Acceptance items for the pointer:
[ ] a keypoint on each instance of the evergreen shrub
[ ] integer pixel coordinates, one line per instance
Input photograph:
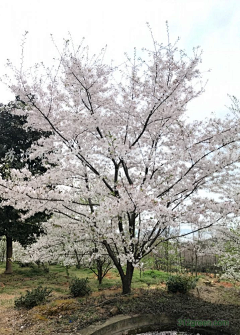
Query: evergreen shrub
(79, 287)
(33, 298)
(181, 284)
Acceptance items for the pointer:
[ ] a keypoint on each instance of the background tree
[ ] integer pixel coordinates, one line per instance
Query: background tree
(67, 246)
(126, 149)
(2, 249)
(167, 257)
(230, 255)
(227, 249)
(15, 141)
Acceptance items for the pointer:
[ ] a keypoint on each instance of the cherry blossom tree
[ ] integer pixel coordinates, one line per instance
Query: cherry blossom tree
(230, 255)
(65, 243)
(227, 248)
(58, 245)
(128, 162)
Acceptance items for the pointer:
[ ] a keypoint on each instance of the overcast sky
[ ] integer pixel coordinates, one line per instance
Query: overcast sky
(214, 25)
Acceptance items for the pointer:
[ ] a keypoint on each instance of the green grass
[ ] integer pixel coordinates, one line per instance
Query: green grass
(25, 278)
(148, 277)
(28, 278)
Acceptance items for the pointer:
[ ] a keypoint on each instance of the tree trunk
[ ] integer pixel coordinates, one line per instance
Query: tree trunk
(127, 279)
(99, 271)
(192, 264)
(9, 252)
(196, 264)
(78, 266)
(180, 261)
(215, 270)
(167, 259)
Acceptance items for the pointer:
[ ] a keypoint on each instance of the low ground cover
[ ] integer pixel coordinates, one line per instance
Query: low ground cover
(211, 299)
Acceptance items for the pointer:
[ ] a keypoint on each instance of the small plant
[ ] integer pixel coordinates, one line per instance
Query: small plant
(181, 284)
(79, 287)
(33, 298)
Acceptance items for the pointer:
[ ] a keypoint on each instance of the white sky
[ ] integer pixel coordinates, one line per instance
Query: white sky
(214, 25)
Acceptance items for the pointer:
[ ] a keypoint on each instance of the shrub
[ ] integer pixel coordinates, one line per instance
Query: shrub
(25, 265)
(181, 284)
(79, 287)
(33, 298)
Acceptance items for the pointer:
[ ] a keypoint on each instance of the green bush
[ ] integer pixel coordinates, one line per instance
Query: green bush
(25, 265)
(79, 287)
(181, 284)
(33, 298)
